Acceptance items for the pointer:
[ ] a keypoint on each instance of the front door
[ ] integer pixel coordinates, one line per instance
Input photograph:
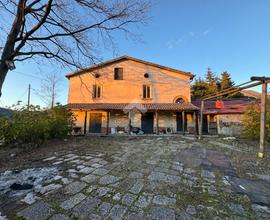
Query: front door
(148, 122)
(205, 125)
(179, 122)
(95, 123)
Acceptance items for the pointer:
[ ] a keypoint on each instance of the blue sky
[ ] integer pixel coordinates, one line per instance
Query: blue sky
(190, 35)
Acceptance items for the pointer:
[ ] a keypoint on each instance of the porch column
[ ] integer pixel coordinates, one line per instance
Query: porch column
(108, 122)
(195, 122)
(201, 120)
(157, 122)
(129, 122)
(183, 122)
(85, 122)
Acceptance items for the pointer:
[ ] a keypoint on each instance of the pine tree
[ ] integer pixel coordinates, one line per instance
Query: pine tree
(199, 88)
(211, 81)
(226, 81)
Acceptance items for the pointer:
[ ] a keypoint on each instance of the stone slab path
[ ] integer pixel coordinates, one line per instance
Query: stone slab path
(141, 178)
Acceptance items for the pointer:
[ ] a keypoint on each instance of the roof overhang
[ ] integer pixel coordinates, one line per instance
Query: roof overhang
(131, 106)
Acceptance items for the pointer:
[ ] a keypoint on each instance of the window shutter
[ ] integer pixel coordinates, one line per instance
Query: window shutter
(120, 73)
(98, 91)
(116, 74)
(144, 91)
(94, 92)
(148, 92)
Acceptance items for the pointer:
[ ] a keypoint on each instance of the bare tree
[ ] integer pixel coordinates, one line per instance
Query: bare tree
(70, 32)
(50, 89)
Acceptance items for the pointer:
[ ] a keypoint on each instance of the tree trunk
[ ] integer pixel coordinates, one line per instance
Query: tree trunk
(8, 49)
(3, 74)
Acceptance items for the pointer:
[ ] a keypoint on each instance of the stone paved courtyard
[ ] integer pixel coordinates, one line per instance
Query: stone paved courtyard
(141, 178)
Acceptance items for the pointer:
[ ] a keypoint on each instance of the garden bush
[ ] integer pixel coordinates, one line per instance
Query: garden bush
(251, 122)
(35, 125)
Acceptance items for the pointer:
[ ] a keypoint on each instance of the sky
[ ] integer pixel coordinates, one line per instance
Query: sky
(190, 35)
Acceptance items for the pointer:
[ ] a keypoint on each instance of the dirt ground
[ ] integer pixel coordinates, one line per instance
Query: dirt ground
(140, 177)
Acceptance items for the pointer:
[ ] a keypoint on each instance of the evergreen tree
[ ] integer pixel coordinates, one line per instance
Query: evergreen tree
(211, 81)
(226, 81)
(199, 89)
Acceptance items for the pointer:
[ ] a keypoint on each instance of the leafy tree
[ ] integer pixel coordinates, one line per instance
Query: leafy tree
(35, 126)
(70, 32)
(251, 123)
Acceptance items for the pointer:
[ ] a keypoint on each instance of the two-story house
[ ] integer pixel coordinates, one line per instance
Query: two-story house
(123, 93)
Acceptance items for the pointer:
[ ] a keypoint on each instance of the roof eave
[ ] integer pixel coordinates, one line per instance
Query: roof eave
(81, 71)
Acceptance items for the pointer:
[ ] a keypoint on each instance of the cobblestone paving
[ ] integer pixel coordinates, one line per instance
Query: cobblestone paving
(139, 179)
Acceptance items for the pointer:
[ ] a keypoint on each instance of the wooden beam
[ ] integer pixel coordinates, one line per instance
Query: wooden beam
(201, 119)
(263, 120)
(108, 122)
(85, 122)
(232, 91)
(183, 122)
(157, 122)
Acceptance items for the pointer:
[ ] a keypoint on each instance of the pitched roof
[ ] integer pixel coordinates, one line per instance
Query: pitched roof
(130, 106)
(233, 106)
(109, 62)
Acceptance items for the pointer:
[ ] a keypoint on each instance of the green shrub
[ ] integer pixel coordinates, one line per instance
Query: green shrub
(251, 123)
(35, 126)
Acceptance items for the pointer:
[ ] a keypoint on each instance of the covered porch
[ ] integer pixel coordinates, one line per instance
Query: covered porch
(154, 118)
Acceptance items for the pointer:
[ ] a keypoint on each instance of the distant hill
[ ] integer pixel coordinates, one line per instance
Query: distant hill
(252, 94)
(5, 112)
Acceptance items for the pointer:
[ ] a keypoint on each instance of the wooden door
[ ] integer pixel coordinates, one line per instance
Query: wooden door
(95, 122)
(179, 122)
(148, 122)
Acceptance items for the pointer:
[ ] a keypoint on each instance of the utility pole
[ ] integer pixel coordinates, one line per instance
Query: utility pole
(263, 120)
(28, 100)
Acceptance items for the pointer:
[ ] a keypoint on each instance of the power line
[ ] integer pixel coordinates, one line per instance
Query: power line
(27, 74)
(23, 94)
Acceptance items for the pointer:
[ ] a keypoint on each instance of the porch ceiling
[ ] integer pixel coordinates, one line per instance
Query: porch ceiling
(131, 106)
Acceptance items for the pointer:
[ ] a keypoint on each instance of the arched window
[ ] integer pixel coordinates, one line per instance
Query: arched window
(180, 100)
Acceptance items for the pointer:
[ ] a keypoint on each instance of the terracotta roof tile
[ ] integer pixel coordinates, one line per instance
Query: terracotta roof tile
(129, 106)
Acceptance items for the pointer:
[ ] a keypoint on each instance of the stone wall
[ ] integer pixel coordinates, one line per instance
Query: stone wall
(119, 119)
(166, 120)
(229, 124)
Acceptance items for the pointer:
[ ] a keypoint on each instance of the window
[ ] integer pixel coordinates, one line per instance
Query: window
(146, 75)
(146, 91)
(180, 101)
(118, 73)
(96, 91)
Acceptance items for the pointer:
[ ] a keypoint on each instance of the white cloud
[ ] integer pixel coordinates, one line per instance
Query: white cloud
(206, 32)
(191, 33)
